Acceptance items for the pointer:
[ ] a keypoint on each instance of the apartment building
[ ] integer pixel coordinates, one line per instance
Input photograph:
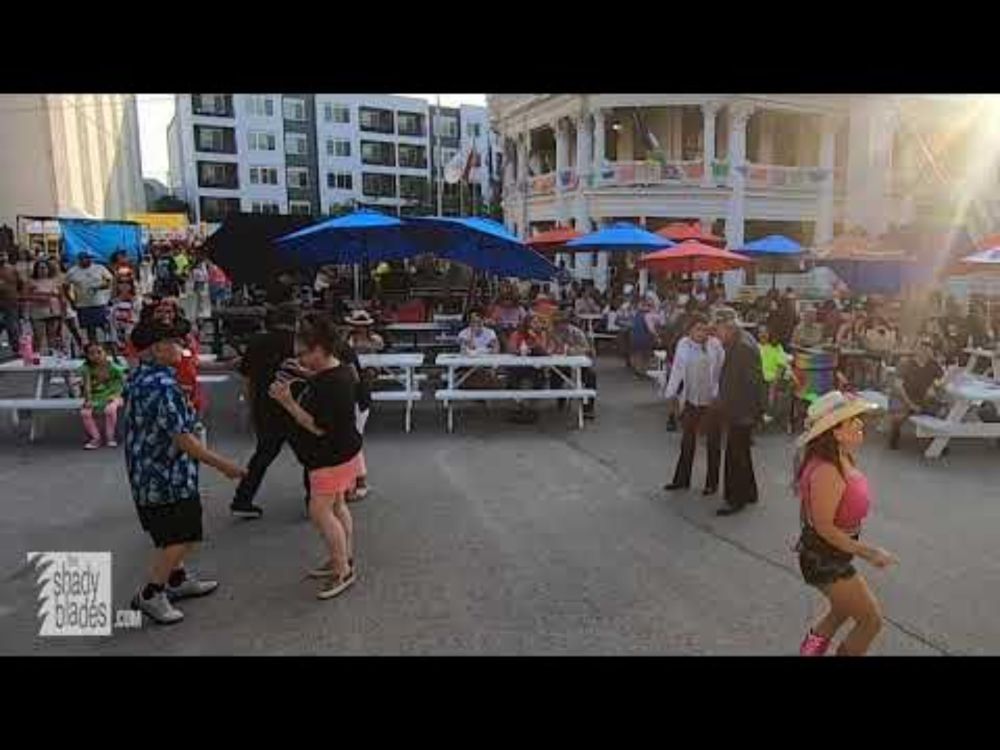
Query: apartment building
(69, 155)
(318, 153)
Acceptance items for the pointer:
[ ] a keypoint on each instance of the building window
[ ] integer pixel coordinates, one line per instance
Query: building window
(300, 207)
(263, 175)
(411, 123)
(339, 147)
(380, 153)
(297, 177)
(413, 157)
(214, 174)
(260, 106)
(445, 155)
(339, 113)
(215, 140)
(212, 105)
(294, 108)
(296, 144)
(340, 180)
(265, 207)
(413, 188)
(216, 209)
(446, 126)
(258, 140)
(472, 130)
(378, 185)
(376, 120)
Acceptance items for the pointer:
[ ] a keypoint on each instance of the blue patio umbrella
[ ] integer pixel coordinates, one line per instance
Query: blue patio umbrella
(353, 238)
(621, 237)
(776, 251)
(482, 244)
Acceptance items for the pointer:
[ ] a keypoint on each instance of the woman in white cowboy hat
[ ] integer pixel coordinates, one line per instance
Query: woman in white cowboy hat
(835, 501)
(361, 338)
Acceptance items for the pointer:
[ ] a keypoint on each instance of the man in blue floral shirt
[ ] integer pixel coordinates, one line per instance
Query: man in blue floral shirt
(162, 456)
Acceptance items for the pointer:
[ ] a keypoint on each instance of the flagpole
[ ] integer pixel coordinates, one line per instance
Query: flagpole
(440, 166)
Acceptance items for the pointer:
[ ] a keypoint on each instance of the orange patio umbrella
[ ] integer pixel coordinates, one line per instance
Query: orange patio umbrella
(552, 238)
(693, 257)
(681, 231)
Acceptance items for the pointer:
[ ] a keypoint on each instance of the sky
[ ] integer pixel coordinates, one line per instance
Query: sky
(156, 110)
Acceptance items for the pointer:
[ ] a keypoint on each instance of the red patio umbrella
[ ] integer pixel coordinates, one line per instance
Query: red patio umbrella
(553, 238)
(681, 231)
(693, 257)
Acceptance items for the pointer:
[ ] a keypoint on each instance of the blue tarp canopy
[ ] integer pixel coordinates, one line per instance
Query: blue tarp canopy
(102, 239)
(773, 244)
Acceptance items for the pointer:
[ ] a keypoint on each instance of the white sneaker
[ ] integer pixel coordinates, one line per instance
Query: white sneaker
(190, 587)
(334, 586)
(112, 443)
(158, 608)
(92, 445)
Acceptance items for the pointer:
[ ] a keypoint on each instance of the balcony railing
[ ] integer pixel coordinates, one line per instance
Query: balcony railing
(770, 176)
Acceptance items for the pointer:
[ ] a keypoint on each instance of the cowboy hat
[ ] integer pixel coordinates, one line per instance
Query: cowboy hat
(359, 318)
(829, 410)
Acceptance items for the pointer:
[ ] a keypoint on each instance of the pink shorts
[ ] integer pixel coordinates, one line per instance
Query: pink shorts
(333, 480)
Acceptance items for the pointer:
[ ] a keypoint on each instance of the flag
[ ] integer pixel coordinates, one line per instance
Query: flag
(470, 161)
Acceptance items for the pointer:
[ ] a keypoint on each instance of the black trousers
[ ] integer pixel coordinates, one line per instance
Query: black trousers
(740, 482)
(269, 444)
(693, 418)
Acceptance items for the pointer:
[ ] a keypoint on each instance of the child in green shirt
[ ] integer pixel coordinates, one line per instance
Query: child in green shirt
(103, 385)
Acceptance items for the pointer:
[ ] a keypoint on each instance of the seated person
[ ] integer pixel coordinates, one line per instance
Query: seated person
(569, 340)
(477, 338)
(809, 332)
(585, 304)
(507, 313)
(361, 338)
(914, 391)
(530, 340)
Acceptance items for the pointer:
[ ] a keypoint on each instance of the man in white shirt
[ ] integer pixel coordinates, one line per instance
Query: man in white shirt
(477, 338)
(91, 290)
(694, 386)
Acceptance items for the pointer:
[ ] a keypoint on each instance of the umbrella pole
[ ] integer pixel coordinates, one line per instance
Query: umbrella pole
(357, 283)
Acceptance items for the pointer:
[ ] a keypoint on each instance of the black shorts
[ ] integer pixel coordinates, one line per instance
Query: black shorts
(820, 562)
(92, 317)
(176, 523)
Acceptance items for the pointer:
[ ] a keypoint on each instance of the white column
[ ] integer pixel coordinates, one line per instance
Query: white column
(562, 164)
(599, 139)
(827, 159)
(766, 154)
(522, 182)
(708, 112)
(738, 117)
(583, 261)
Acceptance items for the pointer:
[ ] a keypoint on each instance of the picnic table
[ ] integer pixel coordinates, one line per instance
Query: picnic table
(966, 391)
(49, 371)
(976, 354)
(400, 368)
(472, 363)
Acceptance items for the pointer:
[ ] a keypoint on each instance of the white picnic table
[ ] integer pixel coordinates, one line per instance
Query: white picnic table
(400, 367)
(48, 370)
(475, 362)
(978, 353)
(416, 329)
(966, 391)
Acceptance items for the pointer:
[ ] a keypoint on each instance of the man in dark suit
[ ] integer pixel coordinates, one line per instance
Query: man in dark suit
(741, 403)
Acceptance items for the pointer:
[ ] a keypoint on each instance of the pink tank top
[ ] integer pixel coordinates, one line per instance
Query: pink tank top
(854, 502)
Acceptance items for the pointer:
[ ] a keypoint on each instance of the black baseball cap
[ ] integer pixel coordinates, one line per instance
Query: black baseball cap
(144, 336)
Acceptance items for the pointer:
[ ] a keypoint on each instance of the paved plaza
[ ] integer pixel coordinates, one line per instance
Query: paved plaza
(513, 539)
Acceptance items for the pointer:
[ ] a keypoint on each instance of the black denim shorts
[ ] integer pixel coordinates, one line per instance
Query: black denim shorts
(820, 562)
(175, 523)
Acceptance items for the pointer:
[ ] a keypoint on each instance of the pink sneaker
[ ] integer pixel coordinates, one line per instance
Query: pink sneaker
(814, 645)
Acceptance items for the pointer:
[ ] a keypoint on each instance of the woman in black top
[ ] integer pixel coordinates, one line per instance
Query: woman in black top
(326, 441)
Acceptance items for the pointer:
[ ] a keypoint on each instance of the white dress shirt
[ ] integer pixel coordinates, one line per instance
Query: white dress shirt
(697, 367)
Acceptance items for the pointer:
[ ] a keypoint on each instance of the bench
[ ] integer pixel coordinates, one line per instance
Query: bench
(932, 427)
(17, 405)
(511, 394)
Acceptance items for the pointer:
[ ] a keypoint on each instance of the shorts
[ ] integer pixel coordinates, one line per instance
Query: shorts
(333, 480)
(92, 317)
(176, 523)
(820, 562)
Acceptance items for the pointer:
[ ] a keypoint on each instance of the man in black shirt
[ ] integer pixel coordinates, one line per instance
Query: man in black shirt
(264, 355)
(914, 391)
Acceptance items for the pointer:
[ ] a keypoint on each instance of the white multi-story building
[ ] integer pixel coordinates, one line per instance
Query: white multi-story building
(69, 155)
(808, 166)
(305, 153)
